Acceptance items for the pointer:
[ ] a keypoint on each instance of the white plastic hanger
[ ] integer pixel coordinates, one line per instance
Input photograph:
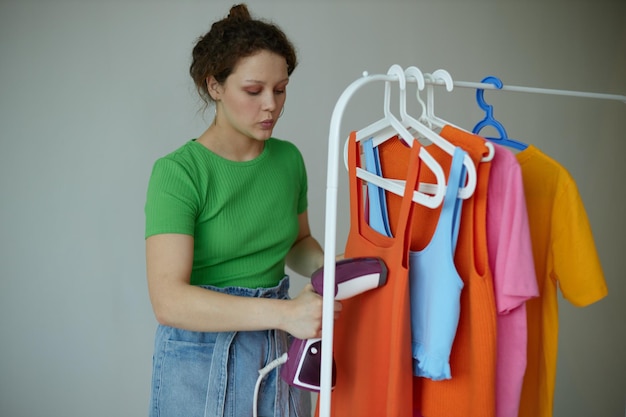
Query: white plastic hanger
(387, 128)
(428, 113)
(427, 133)
(428, 110)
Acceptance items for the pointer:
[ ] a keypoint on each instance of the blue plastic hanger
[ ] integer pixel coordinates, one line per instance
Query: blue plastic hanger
(490, 121)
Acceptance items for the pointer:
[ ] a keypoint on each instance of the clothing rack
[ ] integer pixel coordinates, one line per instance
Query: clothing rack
(331, 200)
(486, 86)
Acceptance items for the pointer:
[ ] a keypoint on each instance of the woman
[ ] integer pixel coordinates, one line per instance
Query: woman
(224, 214)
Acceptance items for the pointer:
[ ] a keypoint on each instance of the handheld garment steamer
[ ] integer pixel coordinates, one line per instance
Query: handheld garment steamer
(352, 277)
(302, 362)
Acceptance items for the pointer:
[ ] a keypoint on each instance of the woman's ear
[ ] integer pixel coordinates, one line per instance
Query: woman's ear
(213, 87)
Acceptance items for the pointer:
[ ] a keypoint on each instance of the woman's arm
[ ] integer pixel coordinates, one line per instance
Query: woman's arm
(306, 254)
(176, 303)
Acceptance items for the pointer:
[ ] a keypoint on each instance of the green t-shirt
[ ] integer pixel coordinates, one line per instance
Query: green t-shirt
(243, 215)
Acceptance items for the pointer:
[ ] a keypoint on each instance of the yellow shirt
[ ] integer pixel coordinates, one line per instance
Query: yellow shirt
(565, 257)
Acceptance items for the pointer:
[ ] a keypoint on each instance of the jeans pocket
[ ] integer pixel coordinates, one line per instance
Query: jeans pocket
(180, 380)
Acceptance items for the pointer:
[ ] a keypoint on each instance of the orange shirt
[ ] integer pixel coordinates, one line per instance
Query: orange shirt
(372, 339)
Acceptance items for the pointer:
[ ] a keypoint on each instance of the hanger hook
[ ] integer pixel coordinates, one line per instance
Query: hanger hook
(489, 120)
(395, 69)
(435, 77)
(443, 75)
(404, 135)
(480, 93)
(415, 72)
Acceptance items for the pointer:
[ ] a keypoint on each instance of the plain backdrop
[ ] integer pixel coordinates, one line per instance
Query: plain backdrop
(92, 92)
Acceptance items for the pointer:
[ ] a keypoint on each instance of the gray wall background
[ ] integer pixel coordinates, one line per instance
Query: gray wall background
(92, 92)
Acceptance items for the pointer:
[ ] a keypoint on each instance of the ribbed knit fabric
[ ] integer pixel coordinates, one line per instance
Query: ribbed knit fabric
(471, 391)
(372, 340)
(434, 284)
(243, 215)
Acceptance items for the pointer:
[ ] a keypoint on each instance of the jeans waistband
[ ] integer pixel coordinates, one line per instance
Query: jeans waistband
(280, 291)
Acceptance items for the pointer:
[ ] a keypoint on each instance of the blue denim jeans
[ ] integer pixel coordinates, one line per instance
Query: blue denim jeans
(206, 374)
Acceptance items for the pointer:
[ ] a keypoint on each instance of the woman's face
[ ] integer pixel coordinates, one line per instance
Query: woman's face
(253, 95)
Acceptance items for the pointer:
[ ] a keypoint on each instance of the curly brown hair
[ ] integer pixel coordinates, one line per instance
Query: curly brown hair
(235, 37)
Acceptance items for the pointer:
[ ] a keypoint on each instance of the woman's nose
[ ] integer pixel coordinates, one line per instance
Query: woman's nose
(269, 103)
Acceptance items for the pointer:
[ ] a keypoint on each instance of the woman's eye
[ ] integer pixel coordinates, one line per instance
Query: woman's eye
(257, 92)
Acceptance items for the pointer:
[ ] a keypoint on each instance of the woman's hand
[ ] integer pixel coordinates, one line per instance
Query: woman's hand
(304, 319)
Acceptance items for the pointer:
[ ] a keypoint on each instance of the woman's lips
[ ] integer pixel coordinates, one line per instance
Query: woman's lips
(266, 124)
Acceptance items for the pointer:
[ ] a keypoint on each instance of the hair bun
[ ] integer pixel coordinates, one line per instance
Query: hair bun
(239, 12)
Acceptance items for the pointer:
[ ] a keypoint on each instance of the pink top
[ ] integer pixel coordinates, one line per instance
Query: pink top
(513, 269)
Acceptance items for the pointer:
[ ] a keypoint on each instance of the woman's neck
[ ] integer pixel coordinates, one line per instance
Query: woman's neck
(233, 146)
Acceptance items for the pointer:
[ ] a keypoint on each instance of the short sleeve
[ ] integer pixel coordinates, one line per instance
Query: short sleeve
(576, 266)
(509, 240)
(302, 198)
(171, 200)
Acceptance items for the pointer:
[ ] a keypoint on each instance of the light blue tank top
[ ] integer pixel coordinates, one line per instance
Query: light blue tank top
(435, 285)
(376, 203)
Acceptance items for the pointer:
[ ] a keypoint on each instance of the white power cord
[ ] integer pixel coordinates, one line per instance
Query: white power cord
(262, 372)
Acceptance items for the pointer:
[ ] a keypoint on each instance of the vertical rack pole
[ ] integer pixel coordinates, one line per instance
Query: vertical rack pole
(330, 236)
